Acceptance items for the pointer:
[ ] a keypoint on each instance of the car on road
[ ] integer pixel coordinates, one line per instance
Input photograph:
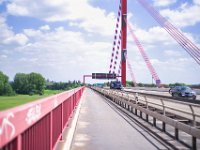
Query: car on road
(116, 85)
(183, 91)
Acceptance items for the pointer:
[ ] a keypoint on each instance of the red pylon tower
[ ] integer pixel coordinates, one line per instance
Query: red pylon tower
(123, 41)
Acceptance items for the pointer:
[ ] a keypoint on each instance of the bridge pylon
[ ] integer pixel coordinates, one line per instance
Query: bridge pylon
(123, 41)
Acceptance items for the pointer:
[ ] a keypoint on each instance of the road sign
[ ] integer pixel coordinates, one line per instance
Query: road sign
(103, 76)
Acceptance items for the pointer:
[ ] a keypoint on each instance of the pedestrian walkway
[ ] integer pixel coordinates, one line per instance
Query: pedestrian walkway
(99, 127)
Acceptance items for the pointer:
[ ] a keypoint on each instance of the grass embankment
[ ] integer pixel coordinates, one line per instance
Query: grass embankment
(12, 101)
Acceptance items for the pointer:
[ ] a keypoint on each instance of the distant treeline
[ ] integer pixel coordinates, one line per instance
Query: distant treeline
(51, 85)
(130, 83)
(33, 83)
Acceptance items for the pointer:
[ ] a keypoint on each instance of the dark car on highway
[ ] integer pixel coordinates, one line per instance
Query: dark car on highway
(183, 91)
(116, 85)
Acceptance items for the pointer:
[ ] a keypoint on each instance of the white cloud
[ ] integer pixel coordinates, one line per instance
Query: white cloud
(7, 36)
(163, 3)
(45, 27)
(5, 30)
(3, 56)
(66, 53)
(154, 35)
(33, 33)
(185, 15)
(172, 53)
(197, 2)
(17, 10)
(79, 13)
(175, 70)
(1, 1)
(169, 71)
(20, 39)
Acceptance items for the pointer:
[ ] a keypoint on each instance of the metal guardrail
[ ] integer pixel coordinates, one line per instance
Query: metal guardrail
(38, 125)
(180, 108)
(160, 109)
(180, 99)
(158, 89)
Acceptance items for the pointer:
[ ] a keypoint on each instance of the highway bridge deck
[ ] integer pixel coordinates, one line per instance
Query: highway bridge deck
(100, 126)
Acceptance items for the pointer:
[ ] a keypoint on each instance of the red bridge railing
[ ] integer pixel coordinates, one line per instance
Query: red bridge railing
(38, 125)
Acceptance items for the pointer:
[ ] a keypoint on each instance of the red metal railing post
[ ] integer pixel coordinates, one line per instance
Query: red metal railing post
(19, 142)
(62, 122)
(74, 100)
(51, 130)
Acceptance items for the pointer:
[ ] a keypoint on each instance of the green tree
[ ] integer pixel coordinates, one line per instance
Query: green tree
(33, 83)
(3, 81)
(36, 83)
(5, 87)
(176, 84)
(21, 84)
(8, 90)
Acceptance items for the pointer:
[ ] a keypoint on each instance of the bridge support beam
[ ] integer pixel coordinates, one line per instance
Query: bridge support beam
(123, 41)
(86, 76)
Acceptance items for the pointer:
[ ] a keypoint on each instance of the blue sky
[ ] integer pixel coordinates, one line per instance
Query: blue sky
(66, 39)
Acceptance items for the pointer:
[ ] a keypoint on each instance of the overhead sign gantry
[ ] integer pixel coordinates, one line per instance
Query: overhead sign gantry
(103, 76)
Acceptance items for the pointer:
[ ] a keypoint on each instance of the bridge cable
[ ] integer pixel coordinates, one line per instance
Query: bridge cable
(115, 38)
(144, 55)
(176, 34)
(131, 72)
(117, 52)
